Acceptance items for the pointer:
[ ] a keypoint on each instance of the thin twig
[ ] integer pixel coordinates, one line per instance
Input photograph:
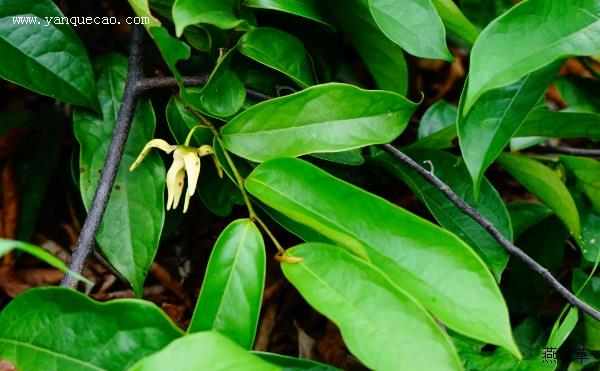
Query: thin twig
(153, 83)
(566, 151)
(87, 237)
(488, 226)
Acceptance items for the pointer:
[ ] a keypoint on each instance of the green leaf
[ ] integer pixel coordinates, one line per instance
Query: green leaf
(579, 93)
(525, 214)
(324, 118)
(181, 120)
(402, 335)
(218, 13)
(384, 59)
(309, 9)
(280, 51)
(519, 42)
(231, 294)
(439, 140)
(545, 184)
(486, 129)
(223, 95)
(452, 171)
(433, 265)
(130, 231)
(203, 351)
(62, 329)
(455, 20)
(587, 175)
(38, 252)
(350, 157)
(562, 329)
(546, 123)
(590, 231)
(294, 364)
(46, 57)
(438, 116)
(414, 25)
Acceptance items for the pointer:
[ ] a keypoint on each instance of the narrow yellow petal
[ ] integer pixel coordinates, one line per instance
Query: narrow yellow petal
(179, 187)
(192, 167)
(172, 180)
(154, 143)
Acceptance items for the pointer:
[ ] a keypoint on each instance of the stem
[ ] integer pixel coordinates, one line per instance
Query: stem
(271, 235)
(493, 231)
(188, 139)
(87, 237)
(566, 151)
(236, 174)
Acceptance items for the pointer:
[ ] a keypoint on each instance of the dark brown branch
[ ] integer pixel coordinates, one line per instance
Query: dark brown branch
(566, 151)
(153, 83)
(87, 237)
(491, 229)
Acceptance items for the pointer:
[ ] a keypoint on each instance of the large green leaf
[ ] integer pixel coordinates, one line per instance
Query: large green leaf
(433, 265)
(309, 9)
(231, 294)
(59, 329)
(546, 123)
(455, 20)
(130, 231)
(207, 350)
(482, 12)
(438, 116)
(486, 129)
(590, 229)
(531, 35)
(384, 59)
(280, 51)
(382, 325)
(223, 95)
(46, 57)
(324, 118)
(218, 13)
(547, 185)
(38, 252)
(414, 25)
(452, 171)
(587, 175)
(525, 214)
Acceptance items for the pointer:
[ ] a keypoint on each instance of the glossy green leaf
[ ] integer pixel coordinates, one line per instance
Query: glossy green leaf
(294, 364)
(590, 294)
(433, 265)
(231, 294)
(324, 118)
(347, 290)
(130, 231)
(219, 13)
(455, 20)
(438, 116)
(587, 175)
(545, 184)
(59, 329)
(46, 57)
(350, 157)
(223, 95)
(280, 51)
(525, 214)
(452, 171)
(590, 230)
(38, 252)
(309, 9)
(207, 350)
(438, 140)
(486, 129)
(414, 25)
(384, 59)
(546, 123)
(562, 329)
(519, 42)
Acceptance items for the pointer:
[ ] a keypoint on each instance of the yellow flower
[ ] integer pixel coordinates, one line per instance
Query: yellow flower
(185, 160)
